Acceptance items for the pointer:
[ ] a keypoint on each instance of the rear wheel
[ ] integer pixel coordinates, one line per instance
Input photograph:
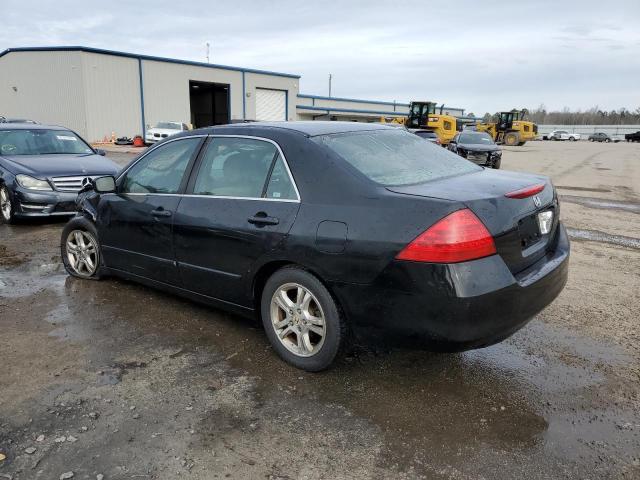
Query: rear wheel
(572, 139)
(607, 140)
(511, 138)
(6, 205)
(80, 249)
(302, 320)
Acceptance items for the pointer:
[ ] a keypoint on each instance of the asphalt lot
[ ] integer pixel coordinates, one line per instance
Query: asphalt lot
(117, 379)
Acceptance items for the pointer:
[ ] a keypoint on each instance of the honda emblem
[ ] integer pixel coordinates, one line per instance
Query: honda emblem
(536, 201)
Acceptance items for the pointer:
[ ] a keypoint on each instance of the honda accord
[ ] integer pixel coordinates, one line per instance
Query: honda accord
(328, 229)
(42, 168)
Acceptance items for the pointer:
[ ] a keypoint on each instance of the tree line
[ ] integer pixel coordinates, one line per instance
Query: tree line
(592, 116)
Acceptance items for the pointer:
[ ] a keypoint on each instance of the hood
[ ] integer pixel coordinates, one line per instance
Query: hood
(42, 166)
(165, 131)
(476, 147)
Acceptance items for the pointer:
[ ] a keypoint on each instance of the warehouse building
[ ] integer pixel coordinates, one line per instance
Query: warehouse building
(99, 93)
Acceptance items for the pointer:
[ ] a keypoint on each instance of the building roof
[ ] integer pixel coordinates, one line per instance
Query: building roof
(143, 57)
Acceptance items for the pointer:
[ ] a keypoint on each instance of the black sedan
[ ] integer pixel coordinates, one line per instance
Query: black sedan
(324, 229)
(42, 168)
(602, 137)
(477, 147)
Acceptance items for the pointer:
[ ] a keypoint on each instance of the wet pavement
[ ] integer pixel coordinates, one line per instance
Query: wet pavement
(128, 382)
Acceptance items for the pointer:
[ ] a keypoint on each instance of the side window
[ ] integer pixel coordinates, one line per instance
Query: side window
(235, 167)
(280, 185)
(161, 170)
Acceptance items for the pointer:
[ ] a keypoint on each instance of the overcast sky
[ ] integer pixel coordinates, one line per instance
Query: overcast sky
(480, 55)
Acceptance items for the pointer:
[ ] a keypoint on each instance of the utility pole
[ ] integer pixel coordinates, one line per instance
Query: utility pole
(329, 84)
(207, 52)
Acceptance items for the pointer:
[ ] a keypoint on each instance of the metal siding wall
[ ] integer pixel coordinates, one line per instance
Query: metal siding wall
(166, 90)
(359, 106)
(49, 86)
(112, 96)
(254, 80)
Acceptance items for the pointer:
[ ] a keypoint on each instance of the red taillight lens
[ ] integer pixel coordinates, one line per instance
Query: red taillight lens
(458, 237)
(526, 191)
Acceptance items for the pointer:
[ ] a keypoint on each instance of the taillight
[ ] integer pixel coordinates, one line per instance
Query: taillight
(458, 237)
(526, 191)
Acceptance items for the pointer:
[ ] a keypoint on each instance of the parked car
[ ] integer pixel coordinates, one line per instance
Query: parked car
(602, 137)
(16, 120)
(324, 229)
(428, 135)
(163, 130)
(563, 135)
(477, 147)
(632, 137)
(42, 168)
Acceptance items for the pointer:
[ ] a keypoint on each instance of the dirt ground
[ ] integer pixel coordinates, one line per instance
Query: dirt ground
(111, 378)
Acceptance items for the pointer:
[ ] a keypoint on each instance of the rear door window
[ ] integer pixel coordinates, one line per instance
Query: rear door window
(396, 157)
(240, 167)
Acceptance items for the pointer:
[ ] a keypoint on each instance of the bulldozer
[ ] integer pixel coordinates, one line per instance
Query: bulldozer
(510, 129)
(425, 116)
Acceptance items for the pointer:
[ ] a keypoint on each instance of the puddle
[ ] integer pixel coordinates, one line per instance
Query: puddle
(602, 203)
(597, 236)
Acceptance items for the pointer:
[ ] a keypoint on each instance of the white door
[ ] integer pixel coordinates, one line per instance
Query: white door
(271, 104)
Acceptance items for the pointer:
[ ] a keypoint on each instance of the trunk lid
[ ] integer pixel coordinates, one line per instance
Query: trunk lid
(513, 222)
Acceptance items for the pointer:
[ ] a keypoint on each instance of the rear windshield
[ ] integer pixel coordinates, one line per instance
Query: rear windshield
(41, 142)
(396, 157)
(426, 134)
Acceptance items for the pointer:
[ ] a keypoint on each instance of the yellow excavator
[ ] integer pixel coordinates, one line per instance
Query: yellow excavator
(425, 116)
(510, 129)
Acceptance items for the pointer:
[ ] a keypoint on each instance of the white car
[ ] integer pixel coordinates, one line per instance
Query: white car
(563, 135)
(163, 130)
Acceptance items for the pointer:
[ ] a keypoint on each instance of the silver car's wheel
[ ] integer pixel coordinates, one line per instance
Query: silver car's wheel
(5, 204)
(82, 253)
(298, 320)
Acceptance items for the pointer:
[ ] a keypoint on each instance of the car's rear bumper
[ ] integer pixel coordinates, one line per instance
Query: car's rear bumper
(43, 204)
(455, 306)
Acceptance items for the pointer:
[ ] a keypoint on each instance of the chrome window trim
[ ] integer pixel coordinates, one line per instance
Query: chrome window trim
(250, 137)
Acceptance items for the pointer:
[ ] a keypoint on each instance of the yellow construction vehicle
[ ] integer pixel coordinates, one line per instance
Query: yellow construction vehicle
(423, 115)
(511, 128)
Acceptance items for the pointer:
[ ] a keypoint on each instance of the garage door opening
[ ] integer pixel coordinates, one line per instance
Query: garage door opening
(209, 103)
(271, 105)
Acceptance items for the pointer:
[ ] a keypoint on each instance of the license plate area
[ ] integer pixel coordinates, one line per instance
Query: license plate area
(529, 231)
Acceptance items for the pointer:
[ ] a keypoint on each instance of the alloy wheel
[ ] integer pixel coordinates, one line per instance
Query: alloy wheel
(298, 319)
(5, 204)
(82, 252)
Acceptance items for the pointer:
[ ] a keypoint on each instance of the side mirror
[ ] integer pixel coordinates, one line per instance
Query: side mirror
(105, 184)
(101, 152)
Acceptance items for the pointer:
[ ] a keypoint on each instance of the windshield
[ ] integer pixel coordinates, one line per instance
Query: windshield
(396, 157)
(476, 138)
(168, 125)
(41, 142)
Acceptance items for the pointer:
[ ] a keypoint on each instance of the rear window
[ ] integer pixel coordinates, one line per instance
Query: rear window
(396, 157)
(426, 134)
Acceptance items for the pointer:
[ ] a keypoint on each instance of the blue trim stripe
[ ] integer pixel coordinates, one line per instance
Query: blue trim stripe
(355, 100)
(143, 57)
(349, 110)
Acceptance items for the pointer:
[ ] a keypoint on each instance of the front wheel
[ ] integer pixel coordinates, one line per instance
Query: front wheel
(572, 139)
(6, 206)
(511, 139)
(80, 249)
(302, 320)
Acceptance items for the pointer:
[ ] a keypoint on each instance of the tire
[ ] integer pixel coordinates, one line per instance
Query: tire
(572, 139)
(607, 140)
(7, 208)
(496, 164)
(511, 139)
(82, 234)
(300, 288)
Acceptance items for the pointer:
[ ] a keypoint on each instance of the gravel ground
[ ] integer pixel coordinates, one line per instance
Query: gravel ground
(111, 378)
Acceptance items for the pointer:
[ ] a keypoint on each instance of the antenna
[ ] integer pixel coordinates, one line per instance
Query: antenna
(207, 52)
(329, 84)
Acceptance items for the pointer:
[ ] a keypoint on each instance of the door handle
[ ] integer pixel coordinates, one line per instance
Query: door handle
(261, 218)
(161, 212)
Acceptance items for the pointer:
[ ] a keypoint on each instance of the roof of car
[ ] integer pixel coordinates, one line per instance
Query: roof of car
(309, 128)
(30, 126)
